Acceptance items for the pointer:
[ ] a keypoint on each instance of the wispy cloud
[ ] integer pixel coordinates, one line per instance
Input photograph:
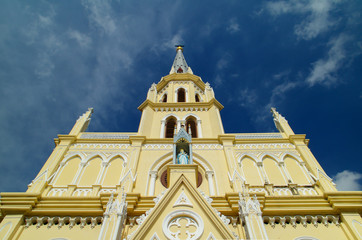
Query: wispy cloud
(318, 15)
(82, 39)
(348, 181)
(233, 26)
(324, 69)
(247, 97)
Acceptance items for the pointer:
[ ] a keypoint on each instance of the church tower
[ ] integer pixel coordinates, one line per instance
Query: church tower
(181, 177)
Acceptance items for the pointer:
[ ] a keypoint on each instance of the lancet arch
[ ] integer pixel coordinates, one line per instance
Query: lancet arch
(249, 155)
(164, 122)
(69, 156)
(197, 131)
(164, 97)
(90, 171)
(68, 170)
(269, 154)
(113, 170)
(292, 165)
(273, 171)
(250, 171)
(181, 94)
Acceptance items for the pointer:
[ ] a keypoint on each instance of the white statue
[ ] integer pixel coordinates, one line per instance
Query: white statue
(182, 157)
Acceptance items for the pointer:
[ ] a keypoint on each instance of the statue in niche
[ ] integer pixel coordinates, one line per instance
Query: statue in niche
(182, 157)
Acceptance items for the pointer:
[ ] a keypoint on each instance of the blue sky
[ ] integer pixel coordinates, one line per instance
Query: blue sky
(60, 57)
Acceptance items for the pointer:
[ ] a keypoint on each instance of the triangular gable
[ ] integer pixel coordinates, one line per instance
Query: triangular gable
(182, 134)
(167, 214)
(182, 200)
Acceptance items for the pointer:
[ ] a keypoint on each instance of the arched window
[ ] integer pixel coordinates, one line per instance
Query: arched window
(191, 124)
(197, 98)
(164, 99)
(181, 95)
(170, 127)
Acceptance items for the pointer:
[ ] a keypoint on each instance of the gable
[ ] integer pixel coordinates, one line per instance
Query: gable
(182, 212)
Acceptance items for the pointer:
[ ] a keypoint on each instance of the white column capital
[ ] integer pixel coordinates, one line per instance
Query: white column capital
(209, 173)
(153, 174)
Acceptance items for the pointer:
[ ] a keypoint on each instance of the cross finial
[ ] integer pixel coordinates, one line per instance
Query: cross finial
(179, 47)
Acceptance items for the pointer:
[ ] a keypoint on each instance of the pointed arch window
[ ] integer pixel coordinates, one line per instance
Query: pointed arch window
(197, 98)
(181, 95)
(179, 70)
(170, 127)
(191, 126)
(164, 98)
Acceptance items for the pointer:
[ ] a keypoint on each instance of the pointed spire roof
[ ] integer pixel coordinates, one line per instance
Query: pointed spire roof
(179, 64)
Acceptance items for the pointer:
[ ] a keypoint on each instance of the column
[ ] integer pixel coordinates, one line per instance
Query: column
(162, 132)
(281, 164)
(209, 175)
(153, 175)
(261, 169)
(199, 131)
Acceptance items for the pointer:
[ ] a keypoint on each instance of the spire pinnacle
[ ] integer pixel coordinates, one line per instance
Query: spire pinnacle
(179, 64)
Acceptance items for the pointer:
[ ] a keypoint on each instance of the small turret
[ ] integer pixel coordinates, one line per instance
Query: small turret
(281, 123)
(82, 123)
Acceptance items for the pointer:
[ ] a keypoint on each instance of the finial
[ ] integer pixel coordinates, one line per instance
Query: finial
(179, 47)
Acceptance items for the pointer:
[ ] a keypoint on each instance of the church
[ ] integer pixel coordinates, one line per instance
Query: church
(180, 176)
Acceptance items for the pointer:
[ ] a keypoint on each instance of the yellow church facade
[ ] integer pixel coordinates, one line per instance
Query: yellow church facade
(181, 177)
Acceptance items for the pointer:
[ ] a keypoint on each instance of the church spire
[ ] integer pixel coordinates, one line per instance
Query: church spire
(179, 64)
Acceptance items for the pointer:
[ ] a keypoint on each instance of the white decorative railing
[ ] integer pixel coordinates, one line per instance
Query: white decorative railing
(107, 135)
(82, 192)
(282, 192)
(307, 191)
(107, 190)
(56, 192)
(257, 190)
(258, 136)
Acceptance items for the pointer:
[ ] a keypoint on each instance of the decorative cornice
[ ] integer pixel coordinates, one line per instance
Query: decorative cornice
(261, 146)
(181, 106)
(61, 221)
(180, 77)
(303, 220)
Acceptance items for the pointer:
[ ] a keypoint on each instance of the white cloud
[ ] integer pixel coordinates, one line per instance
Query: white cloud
(317, 21)
(101, 15)
(233, 26)
(218, 80)
(247, 97)
(348, 181)
(324, 69)
(82, 39)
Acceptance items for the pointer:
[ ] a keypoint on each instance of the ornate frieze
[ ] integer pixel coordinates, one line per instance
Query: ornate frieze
(264, 146)
(207, 147)
(301, 220)
(70, 222)
(157, 147)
